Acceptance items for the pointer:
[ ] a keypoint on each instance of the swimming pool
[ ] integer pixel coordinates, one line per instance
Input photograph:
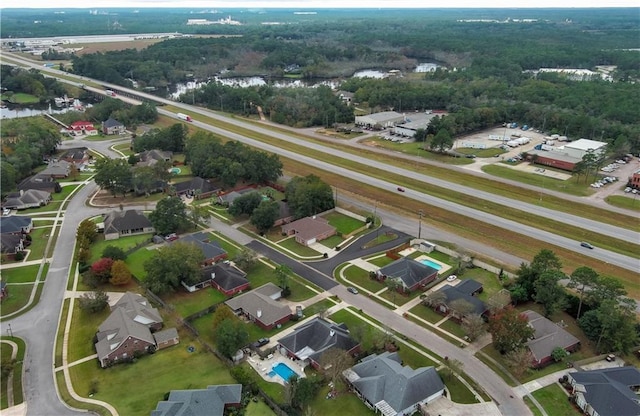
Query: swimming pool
(431, 264)
(175, 171)
(283, 371)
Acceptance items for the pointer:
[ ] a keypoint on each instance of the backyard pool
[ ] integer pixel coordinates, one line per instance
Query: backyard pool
(431, 264)
(175, 171)
(283, 371)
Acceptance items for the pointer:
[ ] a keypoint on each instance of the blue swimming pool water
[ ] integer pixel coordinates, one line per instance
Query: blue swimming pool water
(283, 371)
(431, 264)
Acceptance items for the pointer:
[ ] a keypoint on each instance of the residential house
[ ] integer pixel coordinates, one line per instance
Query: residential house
(31, 198)
(345, 96)
(40, 183)
(309, 230)
(412, 274)
(127, 331)
(16, 224)
(547, 337)
(212, 251)
(224, 276)
(261, 306)
(607, 392)
(197, 187)
(212, 401)
(77, 155)
(80, 128)
(465, 291)
(309, 341)
(227, 198)
(284, 214)
(125, 223)
(388, 387)
(153, 156)
(57, 169)
(11, 244)
(112, 126)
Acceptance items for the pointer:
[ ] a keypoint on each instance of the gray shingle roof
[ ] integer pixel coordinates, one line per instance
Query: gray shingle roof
(547, 336)
(9, 243)
(210, 249)
(382, 379)
(609, 392)
(468, 286)
(260, 302)
(203, 402)
(226, 276)
(314, 338)
(408, 270)
(27, 198)
(14, 224)
(130, 219)
(195, 184)
(165, 335)
(137, 307)
(309, 227)
(109, 123)
(116, 329)
(452, 293)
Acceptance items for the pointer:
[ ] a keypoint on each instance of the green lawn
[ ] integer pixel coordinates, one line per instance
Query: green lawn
(297, 248)
(84, 326)
(623, 202)
(417, 149)
(332, 242)
(20, 275)
(490, 152)
(258, 408)
(444, 258)
(459, 392)
(381, 261)
(173, 368)
(125, 243)
(318, 306)
(39, 238)
(299, 291)
(187, 303)
(452, 327)
(343, 223)
(490, 282)
(6, 352)
(231, 249)
(17, 298)
(555, 401)
(570, 186)
(360, 277)
(124, 148)
(534, 409)
(136, 261)
(20, 98)
(66, 191)
(5, 355)
(426, 313)
(344, 404)
(399, 299)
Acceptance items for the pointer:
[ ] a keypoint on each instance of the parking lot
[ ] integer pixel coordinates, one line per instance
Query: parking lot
(494, 138)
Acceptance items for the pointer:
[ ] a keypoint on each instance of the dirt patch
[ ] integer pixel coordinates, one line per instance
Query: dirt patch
(88, 48)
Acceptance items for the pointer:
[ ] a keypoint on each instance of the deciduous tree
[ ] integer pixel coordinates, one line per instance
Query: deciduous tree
(582, 278)
(120, 274)
(549, 293)
(171, 265)
(101, 269)
(93, 301)
(519, 361)
(510, 330)
(230, 336)
(169, 216)
(265, 215)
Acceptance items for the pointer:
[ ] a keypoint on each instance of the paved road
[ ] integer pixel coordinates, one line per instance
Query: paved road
(38, 327)
(552, 239)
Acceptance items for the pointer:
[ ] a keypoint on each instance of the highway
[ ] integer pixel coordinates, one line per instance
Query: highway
(552, 239)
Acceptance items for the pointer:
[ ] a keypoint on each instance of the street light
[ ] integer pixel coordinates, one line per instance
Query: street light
(420, 213)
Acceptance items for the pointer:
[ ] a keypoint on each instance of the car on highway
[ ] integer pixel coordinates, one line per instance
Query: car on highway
(586, 245)
(400, 189)
(352, 290)
(261, 342)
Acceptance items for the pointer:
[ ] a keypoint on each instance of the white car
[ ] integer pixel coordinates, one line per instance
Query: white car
(452, 278)
(6, 211)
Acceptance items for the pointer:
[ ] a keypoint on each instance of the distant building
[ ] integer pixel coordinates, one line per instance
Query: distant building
(382, 120)
(112, 126)
(634, 180)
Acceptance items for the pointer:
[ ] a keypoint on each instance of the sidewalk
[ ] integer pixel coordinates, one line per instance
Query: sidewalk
(544, 381)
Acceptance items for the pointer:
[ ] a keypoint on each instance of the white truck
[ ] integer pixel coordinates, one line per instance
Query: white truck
(184, 117)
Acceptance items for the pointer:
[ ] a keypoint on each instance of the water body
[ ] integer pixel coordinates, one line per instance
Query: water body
(19, 112)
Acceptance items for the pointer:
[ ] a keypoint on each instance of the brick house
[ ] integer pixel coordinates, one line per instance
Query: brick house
(309, 230)
(261, 306)
(412, 274)
(225, 277)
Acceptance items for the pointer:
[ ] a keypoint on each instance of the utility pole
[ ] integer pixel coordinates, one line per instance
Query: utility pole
(420, 213)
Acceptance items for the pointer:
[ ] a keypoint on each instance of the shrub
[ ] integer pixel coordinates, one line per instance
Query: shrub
(19, 256)
(114, 253)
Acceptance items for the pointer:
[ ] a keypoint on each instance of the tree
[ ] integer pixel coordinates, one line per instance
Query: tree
(519, 361)
(245, 204)
(245, 259)
(433, 299)
(265, 215)
(113, 175)
(549, 293)
(101, 269)
(333, 362)
(582, 278)
(93, 301)
(114, 253)
(120, 274)
(172, 264)
(393, 285)
(283, 273)
(304, 390)
(230, 336)
(559, 354)
(442, 141)
(86, 234)
(308, 196)
(606, 288)
(198, 213)
(222, 313)
(510, 330)
(460, 308)
(473, 326)
(612, 326)
(528, 274)
(169, 216)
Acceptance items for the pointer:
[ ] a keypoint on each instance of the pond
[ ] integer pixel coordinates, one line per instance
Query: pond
(19, 112)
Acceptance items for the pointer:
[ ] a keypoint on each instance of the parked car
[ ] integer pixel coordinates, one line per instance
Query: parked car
(6, 211)
(262, 341)
(400, 189)
(610, 357)
(171, 237)
(352, 290)
(586, 245)
(452, 278)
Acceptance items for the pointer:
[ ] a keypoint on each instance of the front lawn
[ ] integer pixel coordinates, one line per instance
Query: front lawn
(381, 261)
(124, 243)
(360, 277)
(452, 327)
(332, 242)
(20, 275)
(343, 223)
(554, 400)
(303, 251)
(426, 313)
(39, 238)
(84, 326)
(17, 298)
(135, 389)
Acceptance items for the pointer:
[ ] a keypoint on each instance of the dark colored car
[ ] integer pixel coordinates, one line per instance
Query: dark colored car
(586, 245)
(400, 189)
(262, 341)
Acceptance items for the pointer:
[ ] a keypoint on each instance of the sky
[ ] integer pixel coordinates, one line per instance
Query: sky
(315, 4)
